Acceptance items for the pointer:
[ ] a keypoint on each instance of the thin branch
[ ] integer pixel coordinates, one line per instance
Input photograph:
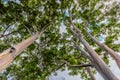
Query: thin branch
(5, 30)
(93, 38)
(31, 35)
(28, 30)
(7, 34)
(60, 66)
(74, 66)
(84, 53)
(81, 65)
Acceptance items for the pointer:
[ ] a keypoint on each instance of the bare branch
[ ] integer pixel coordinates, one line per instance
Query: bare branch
(81, 50)
(31, 34)
(74, 66)
(81, 65)
(60, 66)
(7, 34)
(5, 30)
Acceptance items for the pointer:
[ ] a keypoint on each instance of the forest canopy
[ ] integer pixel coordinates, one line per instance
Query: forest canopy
(78, 34)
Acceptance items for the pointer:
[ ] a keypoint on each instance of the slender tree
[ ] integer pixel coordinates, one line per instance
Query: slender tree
(115, 55)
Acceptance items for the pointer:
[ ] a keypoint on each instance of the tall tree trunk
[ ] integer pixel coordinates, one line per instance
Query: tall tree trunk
(90, 73)
(98, 62)
(105, 48)
(7, 56)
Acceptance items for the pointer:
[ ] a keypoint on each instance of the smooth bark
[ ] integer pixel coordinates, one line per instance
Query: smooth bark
(85, 54)
(100, 66)
(7, 56)
(90, 73)
(106, 48)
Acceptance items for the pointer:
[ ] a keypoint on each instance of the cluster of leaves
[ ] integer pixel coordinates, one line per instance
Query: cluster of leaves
(23, 18)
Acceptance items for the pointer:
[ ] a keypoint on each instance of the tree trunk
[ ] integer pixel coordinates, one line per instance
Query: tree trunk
(98, 62)
(7, 56)
(90, 73)
(106, 48)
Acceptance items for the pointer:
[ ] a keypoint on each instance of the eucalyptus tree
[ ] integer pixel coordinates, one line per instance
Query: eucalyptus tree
(61, 45)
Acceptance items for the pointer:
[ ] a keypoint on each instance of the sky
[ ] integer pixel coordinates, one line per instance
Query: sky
(65, 76)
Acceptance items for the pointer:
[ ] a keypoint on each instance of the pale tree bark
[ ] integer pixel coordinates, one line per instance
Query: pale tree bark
(99, 64)
(90, 73)
(7, 56)
(84, 53)
(113, 54)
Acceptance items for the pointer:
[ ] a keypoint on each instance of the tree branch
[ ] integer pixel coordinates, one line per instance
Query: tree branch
(5, 30)
(74, 66)
(7, 34)
(31, 34)
(60, 66)
(81, 65)
(84, 53)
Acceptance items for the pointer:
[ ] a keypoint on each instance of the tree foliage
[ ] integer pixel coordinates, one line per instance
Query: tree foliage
(20, 19)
